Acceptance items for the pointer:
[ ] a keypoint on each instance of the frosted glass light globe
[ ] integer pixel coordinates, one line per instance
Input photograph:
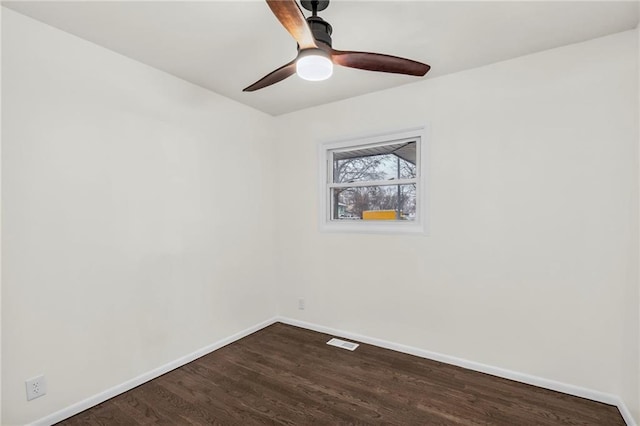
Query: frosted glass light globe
(314, 67)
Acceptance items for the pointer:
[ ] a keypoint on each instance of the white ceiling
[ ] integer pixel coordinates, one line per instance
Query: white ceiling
(226, 45)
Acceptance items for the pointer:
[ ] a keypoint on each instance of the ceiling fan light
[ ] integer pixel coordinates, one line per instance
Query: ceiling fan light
(314, 67)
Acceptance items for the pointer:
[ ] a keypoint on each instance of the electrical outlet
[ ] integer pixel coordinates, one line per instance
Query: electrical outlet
(301, 304)
(36, 387)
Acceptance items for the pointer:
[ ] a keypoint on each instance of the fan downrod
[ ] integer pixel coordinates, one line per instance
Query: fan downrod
(320, 28)
(319, 5)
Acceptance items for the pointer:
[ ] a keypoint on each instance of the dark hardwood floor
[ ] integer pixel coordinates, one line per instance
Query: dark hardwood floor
(288, 375)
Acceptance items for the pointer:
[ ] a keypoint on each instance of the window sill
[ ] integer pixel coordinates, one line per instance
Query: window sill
(359, 227)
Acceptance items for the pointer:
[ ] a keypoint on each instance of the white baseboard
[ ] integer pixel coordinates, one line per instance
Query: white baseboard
(476, 366)
(137, 381)
(626, 414)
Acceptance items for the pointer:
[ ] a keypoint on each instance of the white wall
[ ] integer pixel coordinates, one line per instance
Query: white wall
(0, 234)
(138, 217)
(531, 262)
(637, 299)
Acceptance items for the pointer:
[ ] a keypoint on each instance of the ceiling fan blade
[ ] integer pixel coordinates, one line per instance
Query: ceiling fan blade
(273, 77)
(292, 19)
(378, 62)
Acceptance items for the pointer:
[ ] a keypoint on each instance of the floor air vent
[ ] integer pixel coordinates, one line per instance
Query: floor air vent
(350, 346)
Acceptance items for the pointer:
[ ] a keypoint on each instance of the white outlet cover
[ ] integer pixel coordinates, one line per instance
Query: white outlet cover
(36, 387)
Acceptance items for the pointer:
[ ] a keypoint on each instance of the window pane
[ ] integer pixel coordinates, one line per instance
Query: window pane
(392, 202)
(387, 162)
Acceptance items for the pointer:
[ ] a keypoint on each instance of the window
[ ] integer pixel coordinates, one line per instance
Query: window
(374, 184)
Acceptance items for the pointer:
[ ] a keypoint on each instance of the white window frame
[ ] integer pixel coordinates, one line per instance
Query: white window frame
(325, 151)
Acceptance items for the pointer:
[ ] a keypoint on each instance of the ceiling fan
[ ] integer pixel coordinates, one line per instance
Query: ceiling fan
(316, 57)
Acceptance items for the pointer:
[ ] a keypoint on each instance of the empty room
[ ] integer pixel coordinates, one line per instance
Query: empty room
(320, 212)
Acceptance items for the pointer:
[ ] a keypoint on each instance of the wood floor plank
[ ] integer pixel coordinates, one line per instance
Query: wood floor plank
(135, 407)
(285, 375)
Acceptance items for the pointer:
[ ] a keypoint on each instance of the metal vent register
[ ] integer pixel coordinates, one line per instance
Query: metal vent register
(350, 346)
